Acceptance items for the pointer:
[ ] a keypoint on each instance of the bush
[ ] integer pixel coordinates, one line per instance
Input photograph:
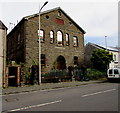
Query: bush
(55, 73)
(54, 76)
(94, 74)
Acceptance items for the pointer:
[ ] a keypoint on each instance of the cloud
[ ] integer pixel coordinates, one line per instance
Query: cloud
(96, 18)
(100, 40)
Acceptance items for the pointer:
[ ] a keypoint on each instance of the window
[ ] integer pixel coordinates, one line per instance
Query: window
(47, 17)
(59, 38)
(114, 57)
(110, 71)
(19, 38)
(41, 35)
(75, 41)
(75, 60)
(51, 37)
(67, 39)
(59, 13)
(42, 59)
(116, 71)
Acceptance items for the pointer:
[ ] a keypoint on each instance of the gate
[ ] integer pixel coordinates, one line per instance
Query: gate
(13, 76)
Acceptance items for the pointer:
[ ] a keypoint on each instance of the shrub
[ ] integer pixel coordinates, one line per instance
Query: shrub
(54, 75)
(94, 74)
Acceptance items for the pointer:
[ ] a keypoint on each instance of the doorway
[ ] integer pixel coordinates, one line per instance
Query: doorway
(61, 63)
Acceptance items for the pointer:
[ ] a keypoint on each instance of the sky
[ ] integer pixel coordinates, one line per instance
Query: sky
(99, 18)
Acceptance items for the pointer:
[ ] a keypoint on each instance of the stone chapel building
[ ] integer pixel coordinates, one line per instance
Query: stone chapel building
(62, 41)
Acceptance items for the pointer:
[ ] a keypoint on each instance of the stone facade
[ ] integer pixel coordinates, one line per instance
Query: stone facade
(53, 20)
(16, 44)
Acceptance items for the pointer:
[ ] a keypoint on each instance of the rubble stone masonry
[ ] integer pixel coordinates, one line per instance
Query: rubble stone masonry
(52, 51)
(55, 20)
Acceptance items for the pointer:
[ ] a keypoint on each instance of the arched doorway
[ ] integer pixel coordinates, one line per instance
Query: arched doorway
(61, 63)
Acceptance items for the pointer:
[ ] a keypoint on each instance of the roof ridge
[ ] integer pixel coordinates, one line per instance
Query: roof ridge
(103, 47)
(57, 8)
(47, 11)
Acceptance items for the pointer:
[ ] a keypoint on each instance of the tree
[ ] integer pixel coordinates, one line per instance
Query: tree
(101, 59)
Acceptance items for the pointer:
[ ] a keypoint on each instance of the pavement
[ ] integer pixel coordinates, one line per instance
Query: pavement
(45, 86)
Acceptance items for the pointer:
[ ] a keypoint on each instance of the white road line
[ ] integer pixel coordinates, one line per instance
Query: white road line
(98, 92)
(33, 106)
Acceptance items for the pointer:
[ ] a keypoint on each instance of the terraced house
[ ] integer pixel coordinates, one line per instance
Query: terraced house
(62, 41)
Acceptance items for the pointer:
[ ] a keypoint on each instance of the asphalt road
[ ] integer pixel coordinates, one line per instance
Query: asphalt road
(91, 97)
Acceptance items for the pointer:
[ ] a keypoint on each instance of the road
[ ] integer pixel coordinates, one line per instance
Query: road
(91, 97)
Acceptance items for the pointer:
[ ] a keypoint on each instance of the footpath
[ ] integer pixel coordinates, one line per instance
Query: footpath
(45, 86)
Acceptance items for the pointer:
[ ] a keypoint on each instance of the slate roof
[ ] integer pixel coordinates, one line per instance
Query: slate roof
(45, 12)
(58, 8)
(103, 47)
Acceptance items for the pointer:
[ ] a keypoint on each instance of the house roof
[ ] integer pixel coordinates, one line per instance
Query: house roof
(2, 26)
(58, 8)
(103, 47)
(45, 12)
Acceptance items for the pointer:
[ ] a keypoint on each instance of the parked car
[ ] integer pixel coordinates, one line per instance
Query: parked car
(113, 73)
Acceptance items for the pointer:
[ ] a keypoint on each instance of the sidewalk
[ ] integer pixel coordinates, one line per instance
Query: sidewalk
(44, 86)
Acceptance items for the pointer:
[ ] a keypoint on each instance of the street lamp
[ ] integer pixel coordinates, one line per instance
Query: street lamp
(40, 44)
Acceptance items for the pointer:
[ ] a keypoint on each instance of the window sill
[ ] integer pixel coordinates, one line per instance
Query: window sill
(59, 47)
(75, 46)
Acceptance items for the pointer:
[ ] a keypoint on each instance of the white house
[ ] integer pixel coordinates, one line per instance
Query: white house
(115, 52)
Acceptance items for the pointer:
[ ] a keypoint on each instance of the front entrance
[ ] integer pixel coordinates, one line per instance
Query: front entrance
(12, 79)
(61, 63)
(13, 76)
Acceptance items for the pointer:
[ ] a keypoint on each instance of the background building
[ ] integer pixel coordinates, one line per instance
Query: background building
(90, 47)
(3, 34)
(62, 41)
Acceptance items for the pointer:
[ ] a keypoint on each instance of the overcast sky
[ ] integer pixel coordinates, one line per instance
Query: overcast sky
(99, 18)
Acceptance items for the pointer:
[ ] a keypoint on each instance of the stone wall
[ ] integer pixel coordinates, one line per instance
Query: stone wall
(16, 44)
(52, 51)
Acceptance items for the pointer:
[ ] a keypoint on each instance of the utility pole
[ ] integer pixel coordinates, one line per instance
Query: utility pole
(106, 42)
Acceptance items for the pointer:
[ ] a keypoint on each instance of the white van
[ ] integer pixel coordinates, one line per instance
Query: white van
(113, 73)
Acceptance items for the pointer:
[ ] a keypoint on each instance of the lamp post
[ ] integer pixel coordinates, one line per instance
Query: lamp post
(40, 44)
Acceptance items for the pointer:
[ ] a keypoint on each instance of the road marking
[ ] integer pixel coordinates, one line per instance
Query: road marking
(98, 92)
(33, 106)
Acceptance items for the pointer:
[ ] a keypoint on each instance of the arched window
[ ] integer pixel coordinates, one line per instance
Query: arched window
(75, 41)
(59, 13)
(51, 37)
(59, 38)
(67, 39)
(41, 33)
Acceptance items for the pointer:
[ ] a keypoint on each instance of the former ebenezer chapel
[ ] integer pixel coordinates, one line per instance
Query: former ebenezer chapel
(62, 41)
